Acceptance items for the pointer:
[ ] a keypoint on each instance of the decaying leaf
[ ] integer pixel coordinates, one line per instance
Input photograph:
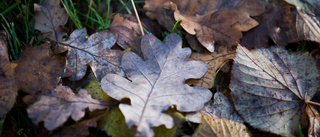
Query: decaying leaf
(160, 10)
(220, 108)
(49, 16)
(213, 127)
(282, 24)
(38, 69)
(128, 31)
(8, 83)
(55, 106)
(95, 51)
(214, 60)
(314, 121)
(271, 87)
(79, 129)
(157, 83)
(211, 21)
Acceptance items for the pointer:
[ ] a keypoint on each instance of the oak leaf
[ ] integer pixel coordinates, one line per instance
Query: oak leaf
(95, 51)
(220, 108)
(156, 83)
(214, 60)
(214, 127)
(55, 106)
(128, 30)
(282, 24)
(271, 87)
(8, 83)
(49, 16)
(211, 21)
(38, 69)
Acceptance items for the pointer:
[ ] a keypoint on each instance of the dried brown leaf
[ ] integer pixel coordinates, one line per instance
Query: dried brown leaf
(49, 16)
(157, 83)
(282, 24)
(220, 108)
(161, 11)
(314, 121)
(55, 106)
(38, 70)
(8, 83)
(271, 87)
(213, 127)
(211, 21)
(95, 51)
(214, 60)
(128, 31)
(79, 129)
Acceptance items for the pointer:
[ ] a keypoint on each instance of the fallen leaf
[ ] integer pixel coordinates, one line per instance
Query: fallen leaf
(157, 83)
(220, 108)
(314, 121)
(214, 60)
(8, 83)
(211, 21)
(79, 129)
(128, 31)
(307, 6)
(38, 69)
(55, 106)
(95, 51)
(49, 16)
(161, 11)
(194, 43)
(282, 24)
(214, 127)
(271, 87)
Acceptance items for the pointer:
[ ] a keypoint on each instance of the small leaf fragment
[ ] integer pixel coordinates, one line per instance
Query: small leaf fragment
(214, 60)
(8, 83)
(214, 127)
(55, 106)
(314, 121)
(220, 108)
(128, 31)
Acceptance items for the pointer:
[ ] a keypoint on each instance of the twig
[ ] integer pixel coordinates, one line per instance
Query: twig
(135, 11)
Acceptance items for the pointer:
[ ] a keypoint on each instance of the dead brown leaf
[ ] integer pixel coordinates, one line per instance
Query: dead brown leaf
(79, 129)
(271, 87)
(128, 31)
(161, 11)
(95, 51)
(214, 127)
(157, 83)
(314, 121)
(282, 24)
(214, 60)
(38, 69)
(8, 83)
(55, 106)
(211, 21)
(49, 16)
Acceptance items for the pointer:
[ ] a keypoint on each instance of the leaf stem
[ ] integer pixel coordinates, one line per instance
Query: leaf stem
(313, 103)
